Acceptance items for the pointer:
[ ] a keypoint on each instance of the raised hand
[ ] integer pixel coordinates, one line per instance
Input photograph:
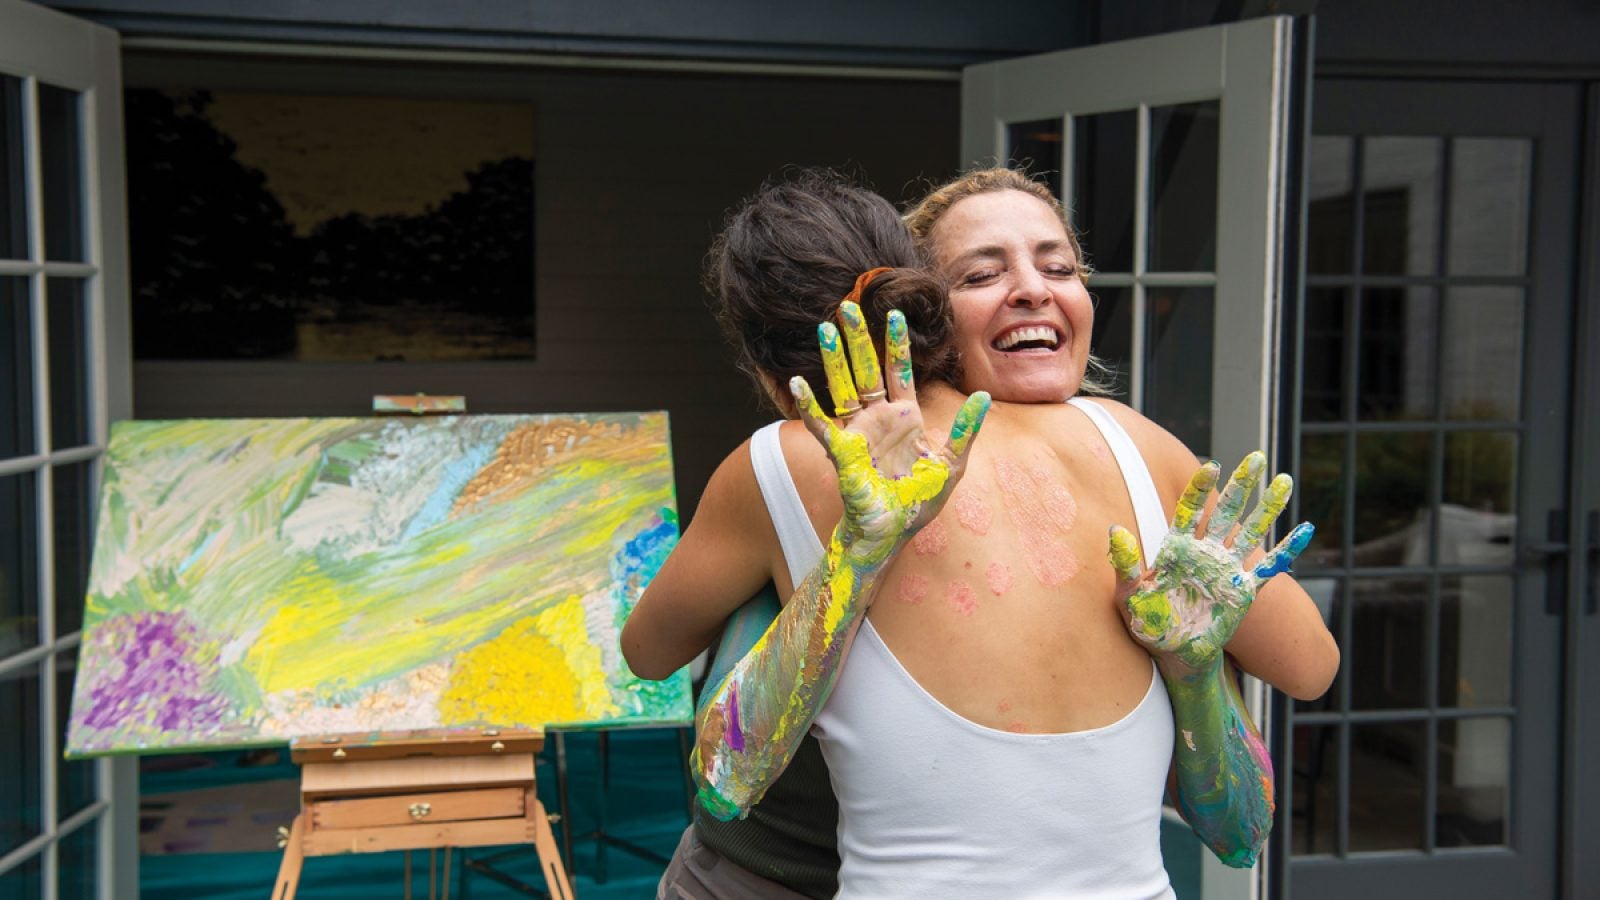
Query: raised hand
(1187, 607)
(893, 480)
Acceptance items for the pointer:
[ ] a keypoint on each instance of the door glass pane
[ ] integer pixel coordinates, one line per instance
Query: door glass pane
(1399, 334)
(1480, 469)
(1177, 390)
(1104, 160)
(1491, 189)
(16, 368)
(1389, 639)
(1323, 366)
(1483, 354)
(1474, 780)
(1183, 187)
(61, 137)
(1475, 635)
(78, 863)
(69, 363)
(1316, 788)
(1400, 195)
(21, 815)
(1391, 503)
(13, 197)
(1113, 335)
(25, 882)
(1330, 207)
(1036, 149)
(1321, 482)
(19, 565)
(1388, 762)
(74, 540)
(75, 785)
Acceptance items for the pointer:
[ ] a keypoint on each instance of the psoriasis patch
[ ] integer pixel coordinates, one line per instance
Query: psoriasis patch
(962, 597)
(1000, 578)
(972, 512)
(1043, 511)
(913, 589)
(931, 540)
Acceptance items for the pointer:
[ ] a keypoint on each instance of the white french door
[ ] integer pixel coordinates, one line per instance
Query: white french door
(1176, 155)
(67, 829)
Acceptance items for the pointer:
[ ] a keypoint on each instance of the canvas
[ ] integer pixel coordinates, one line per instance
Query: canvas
(255, 580)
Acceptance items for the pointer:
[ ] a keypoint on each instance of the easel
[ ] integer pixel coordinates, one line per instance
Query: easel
(415, 791)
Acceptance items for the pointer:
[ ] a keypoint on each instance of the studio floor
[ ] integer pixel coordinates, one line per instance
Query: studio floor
(209, 827)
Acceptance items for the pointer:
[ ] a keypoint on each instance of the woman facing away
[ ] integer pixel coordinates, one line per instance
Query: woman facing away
(998, 731)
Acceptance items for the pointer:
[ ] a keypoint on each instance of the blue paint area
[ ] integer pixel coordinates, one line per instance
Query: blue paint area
(1283, 556)
(458, 473)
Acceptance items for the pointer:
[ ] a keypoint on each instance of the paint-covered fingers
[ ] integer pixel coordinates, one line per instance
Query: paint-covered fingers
(1194, 497)
(840, 383)
(817, 421)
(897, 358)
(1125, 556)
(1235, 494)
(1273, 499)
(969, 418)
(1283, 556)
(863, 356)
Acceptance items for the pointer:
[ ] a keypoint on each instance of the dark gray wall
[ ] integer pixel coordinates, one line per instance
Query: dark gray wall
(634, 172)
(870, 32)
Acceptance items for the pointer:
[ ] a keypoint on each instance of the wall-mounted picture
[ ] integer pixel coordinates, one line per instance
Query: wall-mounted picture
(258, 580)
(276, 226)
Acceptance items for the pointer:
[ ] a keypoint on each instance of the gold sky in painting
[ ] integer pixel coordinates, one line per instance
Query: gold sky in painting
(325, 156)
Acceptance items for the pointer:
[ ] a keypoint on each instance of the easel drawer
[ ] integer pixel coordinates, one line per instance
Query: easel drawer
(411, 809)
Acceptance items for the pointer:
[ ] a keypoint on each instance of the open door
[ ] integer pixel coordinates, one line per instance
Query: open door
(1178, 156)
(69, 828)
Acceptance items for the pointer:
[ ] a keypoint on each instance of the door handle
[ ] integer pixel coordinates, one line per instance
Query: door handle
(1591, 527)
(1550, 554)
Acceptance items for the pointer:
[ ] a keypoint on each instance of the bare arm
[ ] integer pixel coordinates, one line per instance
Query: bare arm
(724, 557)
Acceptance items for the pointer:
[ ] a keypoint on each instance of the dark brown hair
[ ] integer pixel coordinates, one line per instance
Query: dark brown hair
(790, 252)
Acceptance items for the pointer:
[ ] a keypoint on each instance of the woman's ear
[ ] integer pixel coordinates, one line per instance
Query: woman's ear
(778, 393)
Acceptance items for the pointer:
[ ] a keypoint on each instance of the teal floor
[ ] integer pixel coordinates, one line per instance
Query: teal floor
(644, 804)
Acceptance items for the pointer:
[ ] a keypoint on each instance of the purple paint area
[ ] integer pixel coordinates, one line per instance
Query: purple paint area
(147, 674)
(735, 733)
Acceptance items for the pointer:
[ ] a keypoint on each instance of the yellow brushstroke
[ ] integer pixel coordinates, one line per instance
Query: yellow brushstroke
(541, 670)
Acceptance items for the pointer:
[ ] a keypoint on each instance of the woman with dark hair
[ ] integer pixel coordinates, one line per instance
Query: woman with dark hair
(999, 731)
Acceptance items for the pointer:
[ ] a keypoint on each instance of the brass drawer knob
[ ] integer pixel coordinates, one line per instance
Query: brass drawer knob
(420, 810)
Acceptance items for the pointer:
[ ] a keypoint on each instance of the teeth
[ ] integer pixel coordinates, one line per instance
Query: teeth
(1031, 333)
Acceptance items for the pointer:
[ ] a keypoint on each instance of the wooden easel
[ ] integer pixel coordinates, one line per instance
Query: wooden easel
(419, 791)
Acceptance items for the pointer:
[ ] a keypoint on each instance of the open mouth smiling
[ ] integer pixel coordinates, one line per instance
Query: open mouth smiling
(1028, 337)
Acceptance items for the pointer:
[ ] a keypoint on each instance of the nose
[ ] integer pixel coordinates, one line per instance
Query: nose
(1028, 288)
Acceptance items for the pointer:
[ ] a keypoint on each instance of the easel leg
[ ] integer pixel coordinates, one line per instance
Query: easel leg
(562, 806)
(544, 842)
(293, 857)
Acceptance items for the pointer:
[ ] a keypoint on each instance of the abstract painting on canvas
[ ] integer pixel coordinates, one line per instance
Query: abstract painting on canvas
(255, 580)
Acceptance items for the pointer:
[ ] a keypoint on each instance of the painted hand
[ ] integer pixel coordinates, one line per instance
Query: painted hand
(1186, 608)
(892, 478)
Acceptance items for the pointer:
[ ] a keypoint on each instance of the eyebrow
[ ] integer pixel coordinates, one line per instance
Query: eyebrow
(995, 251)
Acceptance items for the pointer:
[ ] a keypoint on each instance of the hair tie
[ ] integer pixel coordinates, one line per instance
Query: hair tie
(862, 280)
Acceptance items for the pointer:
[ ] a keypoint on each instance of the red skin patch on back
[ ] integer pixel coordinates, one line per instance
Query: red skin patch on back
(1000, 578)
(972, 512)
(1043, 511)
(913, 589)
(1004, 706)
(1018, 727)
(931, 540)
(962, 597)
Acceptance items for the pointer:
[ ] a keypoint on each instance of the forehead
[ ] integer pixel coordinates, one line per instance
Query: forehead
(998, 219)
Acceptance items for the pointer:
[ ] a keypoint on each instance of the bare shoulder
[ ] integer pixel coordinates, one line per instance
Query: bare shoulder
(1171, 463)
(813, 475)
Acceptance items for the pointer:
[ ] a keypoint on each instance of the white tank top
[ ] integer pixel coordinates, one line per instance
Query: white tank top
(933, 805)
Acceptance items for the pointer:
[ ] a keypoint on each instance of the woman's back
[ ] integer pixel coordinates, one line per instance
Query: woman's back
(994, 716)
